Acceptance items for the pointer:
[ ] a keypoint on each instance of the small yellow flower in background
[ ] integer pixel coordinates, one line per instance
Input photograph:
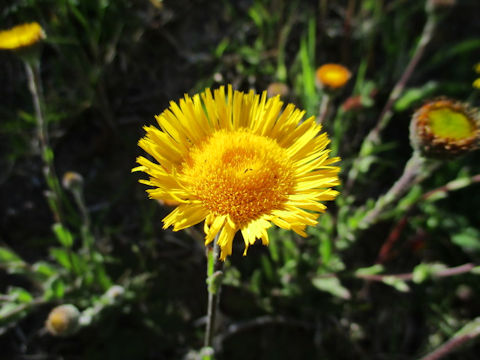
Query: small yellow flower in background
(240, 162)
(333, 76)
(476, 83)
(445, 128)
(63, 320)
(21, 36)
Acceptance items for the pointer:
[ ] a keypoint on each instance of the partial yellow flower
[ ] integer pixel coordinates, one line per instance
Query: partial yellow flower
(476, 83)
(240, 162)
(445, 128)
(21, 36)
(333, 76)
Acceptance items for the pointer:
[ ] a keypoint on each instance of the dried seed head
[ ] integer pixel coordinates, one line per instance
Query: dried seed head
(63, 320)
(72, 180)
(277, 88)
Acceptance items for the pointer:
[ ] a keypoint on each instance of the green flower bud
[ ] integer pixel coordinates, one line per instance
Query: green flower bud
(444, 128)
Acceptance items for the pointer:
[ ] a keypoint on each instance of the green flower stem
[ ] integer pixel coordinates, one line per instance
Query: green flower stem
(373, 138)
(411, 173)
(32, 67)
(214, 282)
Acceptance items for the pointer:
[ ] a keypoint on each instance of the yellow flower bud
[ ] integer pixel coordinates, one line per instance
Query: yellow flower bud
(332, 76)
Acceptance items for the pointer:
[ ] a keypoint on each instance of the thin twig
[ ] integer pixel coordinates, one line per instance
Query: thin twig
(374, 136)
(35, 87)
(410, 175)
(451, 345)
(247, 325)
(22, 307)
(400, 225)
(427, 34)
(457, 270)
(324, 106)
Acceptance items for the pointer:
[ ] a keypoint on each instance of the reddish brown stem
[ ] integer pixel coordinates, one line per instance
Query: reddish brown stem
(449, 346)
(465, 268)
(397, 230)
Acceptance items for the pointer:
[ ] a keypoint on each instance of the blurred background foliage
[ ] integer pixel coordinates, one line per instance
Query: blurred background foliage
(109, 66)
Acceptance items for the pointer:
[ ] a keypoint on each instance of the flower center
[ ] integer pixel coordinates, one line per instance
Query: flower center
(239, 174)
(450, 124)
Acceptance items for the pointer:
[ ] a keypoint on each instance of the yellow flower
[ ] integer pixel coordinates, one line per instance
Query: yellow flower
(333, 76)
(240, 162)
(21, 36)
(445, 128)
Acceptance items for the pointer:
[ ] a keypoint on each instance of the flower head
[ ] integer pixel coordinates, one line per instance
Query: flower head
(72, 180)
(63, 320)
(333, 76)
(277, 88)
(240, 162)
(21, 36)
(444, 128)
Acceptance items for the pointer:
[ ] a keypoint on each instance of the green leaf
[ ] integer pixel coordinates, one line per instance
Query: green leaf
(371, 270)
(472, 328)
(61, 256)
(7, 256)
(44, 269)
(63, 235)
(468, 239)
(331, 285)
(232, 276)
(48, 155)
(12, 262)
(475, 270)
(55, 289)
(8, 309)
(20, 295)
(398, 284)
(421, 273)
(414, 95)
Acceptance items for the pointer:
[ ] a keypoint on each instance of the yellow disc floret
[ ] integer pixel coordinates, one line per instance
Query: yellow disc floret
(450, 124)
(240, 174)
